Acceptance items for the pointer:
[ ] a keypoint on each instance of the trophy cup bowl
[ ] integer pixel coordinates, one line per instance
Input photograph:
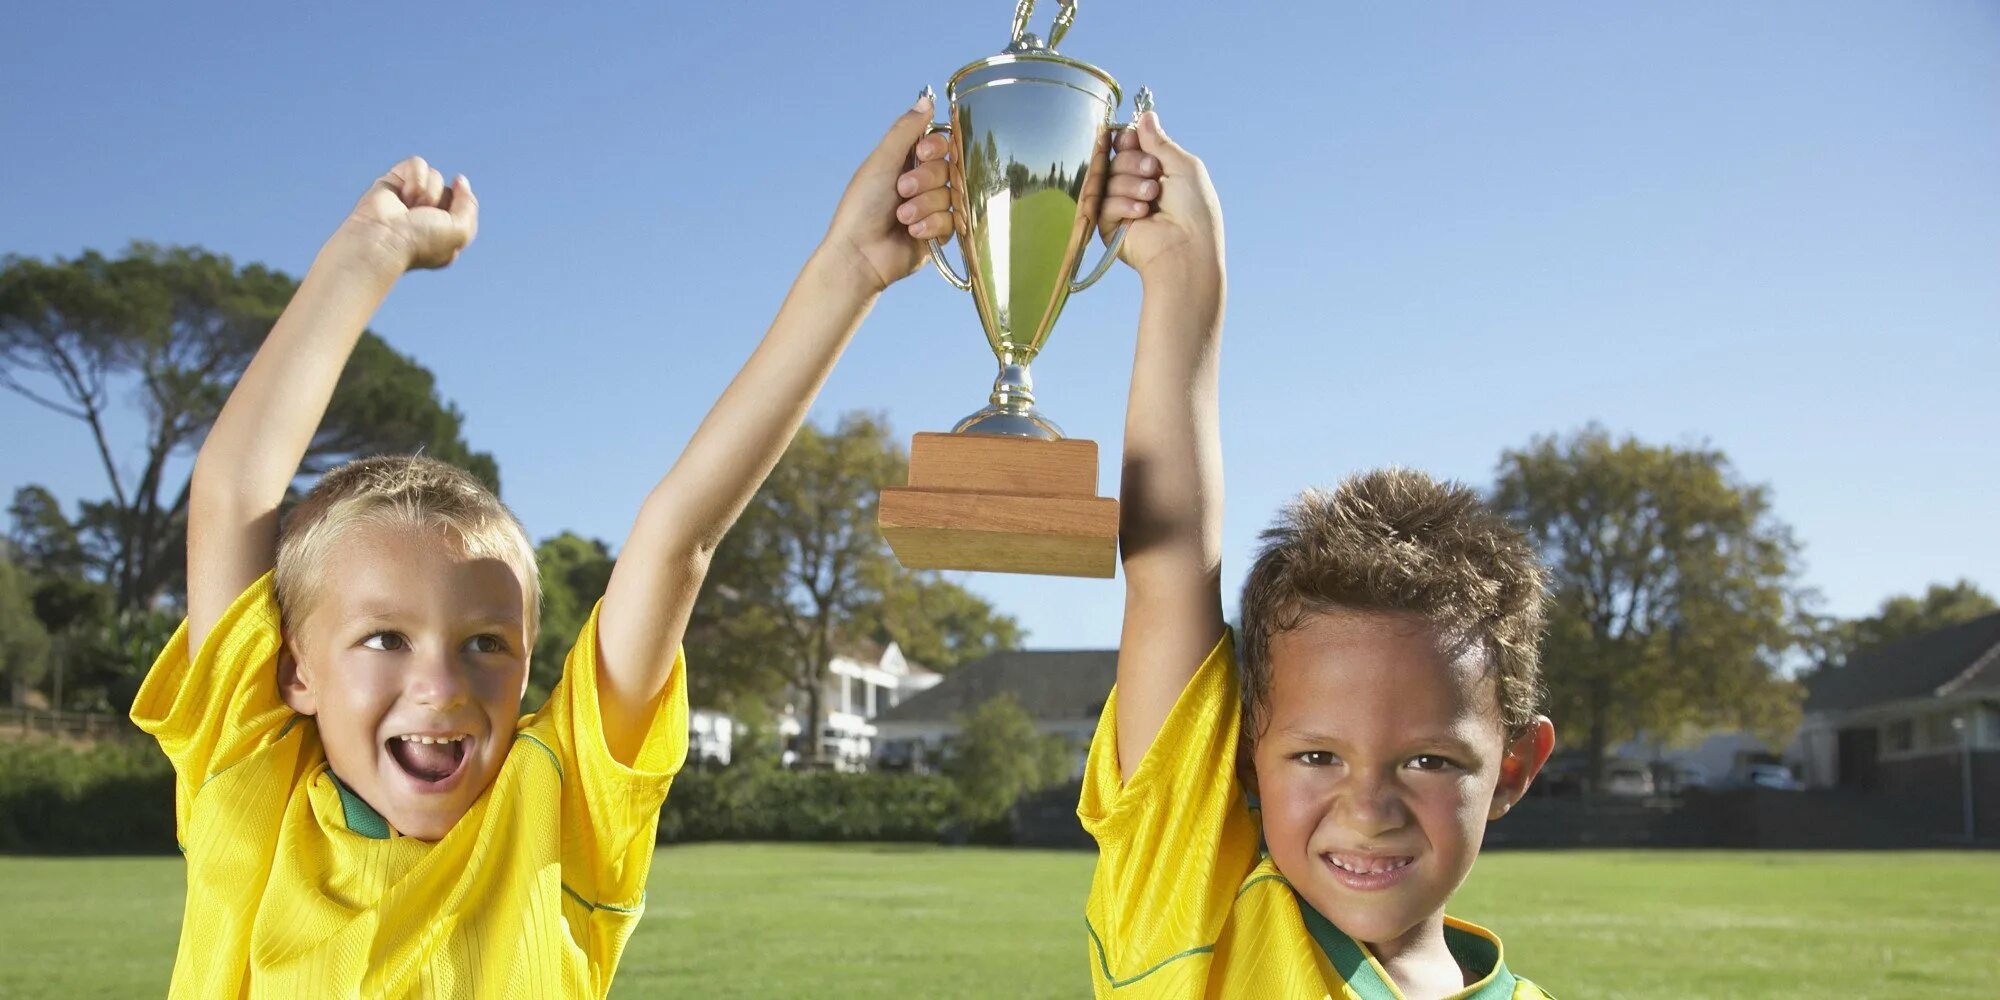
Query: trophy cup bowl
(1005, 491)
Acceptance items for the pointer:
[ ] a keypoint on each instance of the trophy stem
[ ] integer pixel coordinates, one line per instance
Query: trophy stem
(1014, 389)
(1011, 411)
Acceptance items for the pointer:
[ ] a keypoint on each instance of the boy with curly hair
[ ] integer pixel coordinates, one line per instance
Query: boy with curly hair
(1294, 827)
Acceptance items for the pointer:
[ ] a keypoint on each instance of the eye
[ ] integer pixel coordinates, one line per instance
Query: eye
(1430, 762)
(387, 642)
(486, 642)
(1316, 758)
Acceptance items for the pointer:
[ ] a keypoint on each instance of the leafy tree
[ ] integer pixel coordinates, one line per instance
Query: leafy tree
(1672, 588)
(24, 643)
(1901, 617)
(806, 569)
(575, 571)
(1000, 756)
(934, 621)
(171, 328)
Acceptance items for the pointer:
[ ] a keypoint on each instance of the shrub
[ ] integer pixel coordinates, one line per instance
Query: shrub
(110, 797)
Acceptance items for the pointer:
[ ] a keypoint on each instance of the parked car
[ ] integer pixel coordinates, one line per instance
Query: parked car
(1776, 777)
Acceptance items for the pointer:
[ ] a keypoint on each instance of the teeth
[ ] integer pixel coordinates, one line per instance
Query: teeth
(1392, 866)
(414, 738)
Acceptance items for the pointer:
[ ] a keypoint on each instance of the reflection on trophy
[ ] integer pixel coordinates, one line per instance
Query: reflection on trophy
(1031, 134)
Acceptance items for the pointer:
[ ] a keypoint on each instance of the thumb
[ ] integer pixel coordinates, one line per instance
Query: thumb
(894, 150)
(1154, 140)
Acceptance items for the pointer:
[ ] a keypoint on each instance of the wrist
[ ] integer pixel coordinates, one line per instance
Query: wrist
(838, 262)
(365, 249)
(1185, 279)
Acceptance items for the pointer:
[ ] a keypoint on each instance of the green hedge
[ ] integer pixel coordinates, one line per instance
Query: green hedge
(112, 797)
(118, 797)
(754, 803)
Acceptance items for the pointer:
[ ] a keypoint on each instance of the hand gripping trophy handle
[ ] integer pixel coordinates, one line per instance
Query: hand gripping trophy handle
(1142, 102)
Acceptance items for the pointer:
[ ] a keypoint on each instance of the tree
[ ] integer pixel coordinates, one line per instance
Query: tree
(1672, 588)
(24, 643)
(574, 570)
(1901, 617)
(1835, 640)
(172, 327)
(934, 621)
(1000, 756)
(806, 569)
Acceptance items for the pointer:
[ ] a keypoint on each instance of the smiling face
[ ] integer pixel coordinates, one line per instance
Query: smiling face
(1381, 758)
(412, 657)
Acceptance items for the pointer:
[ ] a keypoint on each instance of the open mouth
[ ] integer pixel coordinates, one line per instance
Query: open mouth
(1359, 871)
(430, 760)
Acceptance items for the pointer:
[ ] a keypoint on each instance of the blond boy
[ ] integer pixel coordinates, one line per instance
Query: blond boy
(1294, 828)
(363, 810)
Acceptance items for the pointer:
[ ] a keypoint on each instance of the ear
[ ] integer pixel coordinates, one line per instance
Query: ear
(1524, 760)
(295, 680)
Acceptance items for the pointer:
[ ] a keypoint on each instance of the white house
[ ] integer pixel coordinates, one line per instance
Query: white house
(711, 737)
(1062, 690)
(863, 681)
(1917, 719)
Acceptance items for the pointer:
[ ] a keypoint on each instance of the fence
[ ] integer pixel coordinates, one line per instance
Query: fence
(23, 722)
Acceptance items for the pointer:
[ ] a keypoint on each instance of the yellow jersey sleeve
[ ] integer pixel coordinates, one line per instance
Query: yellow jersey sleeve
(1174, 843)
(211, 710)
(610, 811)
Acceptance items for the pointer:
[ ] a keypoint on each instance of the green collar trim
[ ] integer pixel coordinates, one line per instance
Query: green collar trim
(1358, 968)
(360, 816)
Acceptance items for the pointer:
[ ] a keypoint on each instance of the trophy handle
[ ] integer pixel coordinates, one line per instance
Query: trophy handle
(937, 249)
(1142, 102)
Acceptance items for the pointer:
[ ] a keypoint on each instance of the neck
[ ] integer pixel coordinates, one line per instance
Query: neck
(1419, 960)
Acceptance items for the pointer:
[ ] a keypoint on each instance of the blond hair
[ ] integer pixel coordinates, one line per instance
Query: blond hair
(1396, 540)
(399, 491)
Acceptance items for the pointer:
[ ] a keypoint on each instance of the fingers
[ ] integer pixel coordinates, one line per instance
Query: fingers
(1133, 187)
(416, 183)
(433, 187)
(404, 177)
(464, 207)
(935, 226)
(1118, 210)
(1136, 163)
(1155, 142)
(922, 178)
(924, 210)
(894, 149)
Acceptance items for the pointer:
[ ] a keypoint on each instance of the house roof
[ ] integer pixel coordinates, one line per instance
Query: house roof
(1051, 684)
(1957, 659)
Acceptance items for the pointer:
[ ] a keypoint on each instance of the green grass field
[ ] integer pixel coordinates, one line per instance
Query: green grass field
(758, 920)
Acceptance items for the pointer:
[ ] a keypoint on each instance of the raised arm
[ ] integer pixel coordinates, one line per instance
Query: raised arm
(1170, 497)
(874, 240)
(407, 219)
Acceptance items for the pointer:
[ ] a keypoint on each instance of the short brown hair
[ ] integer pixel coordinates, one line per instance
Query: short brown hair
(399, 490)
(1396, 540)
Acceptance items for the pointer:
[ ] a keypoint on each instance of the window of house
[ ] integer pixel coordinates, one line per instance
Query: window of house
(1939, 731)
(1899, 736)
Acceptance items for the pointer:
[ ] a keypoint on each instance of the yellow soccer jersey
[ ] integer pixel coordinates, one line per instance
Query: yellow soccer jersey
(297, 888)
(1183, 904)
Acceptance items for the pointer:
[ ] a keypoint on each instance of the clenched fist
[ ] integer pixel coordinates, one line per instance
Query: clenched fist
(414, 218)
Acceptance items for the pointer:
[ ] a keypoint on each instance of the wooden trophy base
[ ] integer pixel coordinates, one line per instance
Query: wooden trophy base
(1002, 505)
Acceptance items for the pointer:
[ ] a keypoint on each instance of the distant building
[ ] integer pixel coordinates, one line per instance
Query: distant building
(863, 681)
(711, 738)
(1917, 720)
(1063, 691)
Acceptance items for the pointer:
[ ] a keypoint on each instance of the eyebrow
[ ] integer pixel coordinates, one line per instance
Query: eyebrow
(378, 615)
(1445, 742)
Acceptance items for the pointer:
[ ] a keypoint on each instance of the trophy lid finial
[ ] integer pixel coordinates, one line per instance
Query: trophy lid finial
(1024, 40)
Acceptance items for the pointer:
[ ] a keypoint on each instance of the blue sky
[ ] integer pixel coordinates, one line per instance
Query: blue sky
(1772, 227)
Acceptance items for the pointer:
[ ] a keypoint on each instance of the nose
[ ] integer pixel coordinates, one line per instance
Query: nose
(437, 680)
(1371, 805)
